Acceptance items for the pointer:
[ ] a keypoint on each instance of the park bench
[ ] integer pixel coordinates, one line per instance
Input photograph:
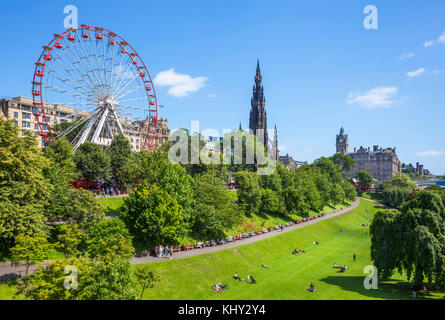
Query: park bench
(187, 247)
(259, 232)
(176, 249)
(198, 245)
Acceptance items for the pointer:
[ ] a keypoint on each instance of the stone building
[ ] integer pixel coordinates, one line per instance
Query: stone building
(24, 115)
(290, 163)
(381, 163)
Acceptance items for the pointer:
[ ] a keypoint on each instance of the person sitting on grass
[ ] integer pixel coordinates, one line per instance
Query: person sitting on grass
(217, 288)
(335, 266)
(235, 276)
(315, 242)
(295, 251)
(264, 266)
(252, 280)
(311, 288)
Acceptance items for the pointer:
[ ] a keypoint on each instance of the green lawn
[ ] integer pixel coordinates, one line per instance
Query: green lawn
(289, 275)
(111, 203)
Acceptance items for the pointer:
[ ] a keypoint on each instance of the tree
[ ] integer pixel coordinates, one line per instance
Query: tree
(213, 211)
(345, 162)
(108, 238)
(92, 162)
(97, 279)
(155, 168)
(76, 206)
(349, 190)
(30, 249)
(152, 215)
(62, 168)
(24, 189)
(270, 203)
(248, 190)
(145, 277)
(411, 241)
(120, 154)
(69, 240)
(364, 178)
(425, 200)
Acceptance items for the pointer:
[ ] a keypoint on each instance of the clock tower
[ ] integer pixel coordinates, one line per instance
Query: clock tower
(342, 142)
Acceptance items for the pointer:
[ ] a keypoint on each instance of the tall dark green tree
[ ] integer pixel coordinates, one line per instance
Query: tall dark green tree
(120, 155)
(92, 162)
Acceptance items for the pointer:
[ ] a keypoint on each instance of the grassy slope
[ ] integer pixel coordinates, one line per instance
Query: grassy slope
(289, 275)
(111, 203)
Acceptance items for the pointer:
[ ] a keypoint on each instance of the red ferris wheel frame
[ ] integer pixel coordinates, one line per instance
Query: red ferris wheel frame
(39, 72)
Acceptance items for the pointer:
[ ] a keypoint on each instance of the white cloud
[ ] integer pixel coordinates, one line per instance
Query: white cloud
(427, 44)
(406, 56)
(415, 73)
(375, 98)
(442, 38)
(181, 85)
(431, 153)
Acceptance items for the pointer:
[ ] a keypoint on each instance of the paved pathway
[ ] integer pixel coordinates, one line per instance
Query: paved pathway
(8, 270)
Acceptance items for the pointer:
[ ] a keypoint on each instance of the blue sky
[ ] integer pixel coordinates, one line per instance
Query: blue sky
(320, 66)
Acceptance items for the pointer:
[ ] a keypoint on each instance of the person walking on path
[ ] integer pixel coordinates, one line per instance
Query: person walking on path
(281, 227)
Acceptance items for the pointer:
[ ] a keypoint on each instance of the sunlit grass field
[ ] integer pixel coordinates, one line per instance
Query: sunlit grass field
(289, 275)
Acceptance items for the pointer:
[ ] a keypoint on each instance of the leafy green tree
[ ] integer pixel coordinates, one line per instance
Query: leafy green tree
(97, 279)
(69, 240)
(248, 190)
(23, 187)
(62, 168)
(155, 168)
(426, 200)
(345, 162)
(337, 194)
(270, 203)
(364, 178)
(30, 249)
(152, 215)
(92, 162)
(214, 211)
(110, 237)
(393, 197)
(76, 206)
(145, 277)
(349, 190)
(412, 241)
(120, 154)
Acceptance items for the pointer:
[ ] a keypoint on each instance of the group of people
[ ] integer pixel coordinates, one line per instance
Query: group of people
(218, 287)
(164, 252)
(249, 277)
(341, 268)
(297, 251)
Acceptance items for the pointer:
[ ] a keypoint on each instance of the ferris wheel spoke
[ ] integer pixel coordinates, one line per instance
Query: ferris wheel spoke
(119, 69)
(96, 55)
(80, 62)
(130, 91)
(125, 85)
(134, 99)
(110, 77)
(121, 79)
(68, 67)
(133, 107)
(75, 86)
(65, 91)
(87, 55)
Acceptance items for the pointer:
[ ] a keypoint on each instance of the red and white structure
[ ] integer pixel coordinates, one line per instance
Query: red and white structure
(99, 73)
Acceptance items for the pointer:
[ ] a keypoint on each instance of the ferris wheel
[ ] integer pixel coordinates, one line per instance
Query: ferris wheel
(103, 82)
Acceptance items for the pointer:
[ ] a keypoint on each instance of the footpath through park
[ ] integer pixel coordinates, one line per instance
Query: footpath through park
(9, 270)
